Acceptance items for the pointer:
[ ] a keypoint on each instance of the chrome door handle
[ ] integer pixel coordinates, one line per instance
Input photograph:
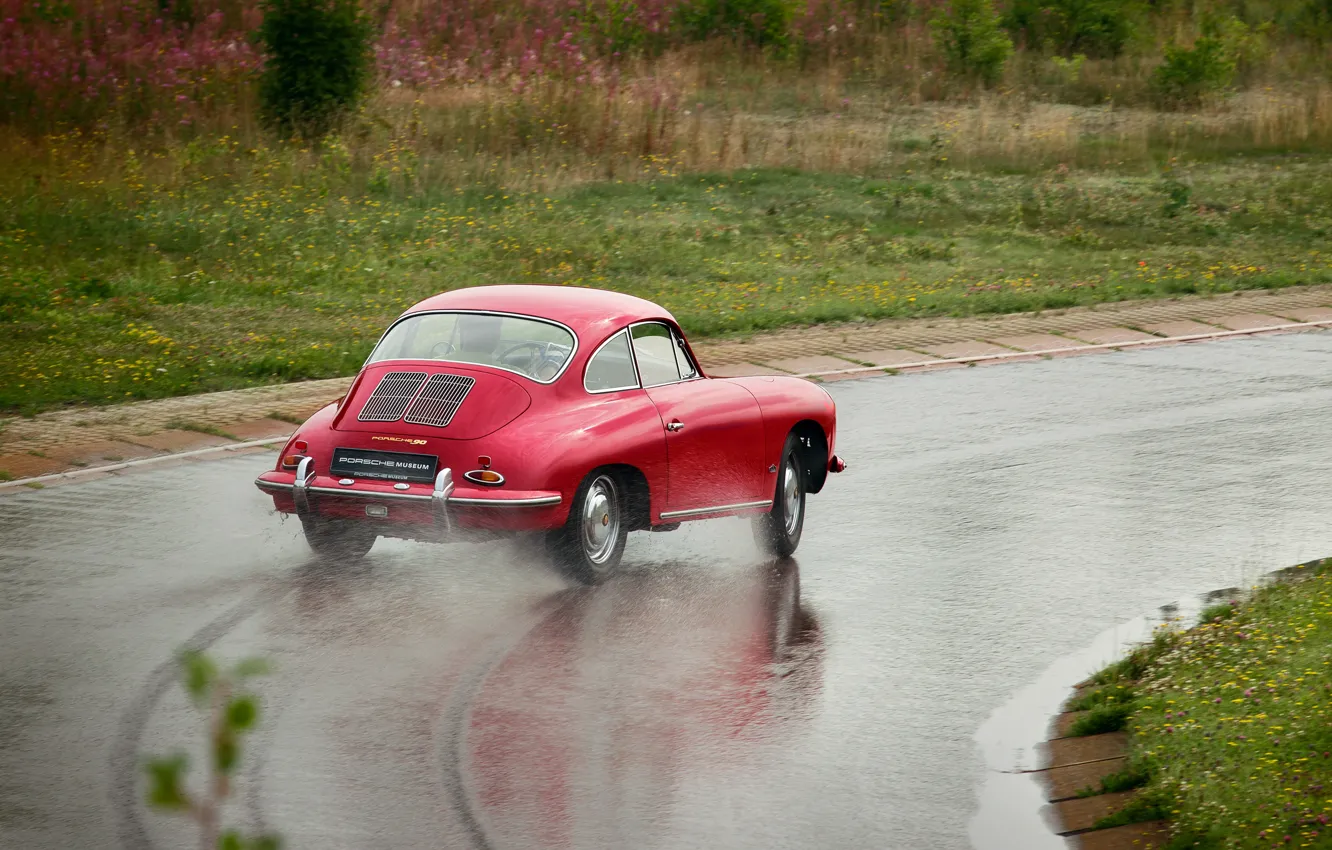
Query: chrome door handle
(675, 425)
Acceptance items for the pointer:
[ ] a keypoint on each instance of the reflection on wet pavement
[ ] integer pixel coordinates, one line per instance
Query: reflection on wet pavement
(466, 697)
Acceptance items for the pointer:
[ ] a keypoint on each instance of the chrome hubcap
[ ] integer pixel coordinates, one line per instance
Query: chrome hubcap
(791, 501)
(601, 519)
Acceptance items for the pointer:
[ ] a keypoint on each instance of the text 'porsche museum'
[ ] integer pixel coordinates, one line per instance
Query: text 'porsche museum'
(575, 412)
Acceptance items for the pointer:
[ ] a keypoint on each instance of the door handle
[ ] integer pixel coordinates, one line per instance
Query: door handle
(674, 425)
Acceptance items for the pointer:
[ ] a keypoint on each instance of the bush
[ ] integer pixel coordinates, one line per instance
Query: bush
(762, 23)
(1188, 74)
(971, 40)
(318, 62)
(1094, 28)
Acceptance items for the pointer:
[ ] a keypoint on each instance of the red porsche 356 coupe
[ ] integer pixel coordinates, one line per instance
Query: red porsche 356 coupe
(575, 412)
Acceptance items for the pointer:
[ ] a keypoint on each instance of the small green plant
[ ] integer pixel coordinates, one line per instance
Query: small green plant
(201, 428)
(613, 27)
(968, 34)
(1213, 613)
(231, 713)
(6, 475)
(1109, 717)
(317, 63)
(1176, 192)
(761, 23)
(1145, 807)
(1133, 776)
(1116, 694)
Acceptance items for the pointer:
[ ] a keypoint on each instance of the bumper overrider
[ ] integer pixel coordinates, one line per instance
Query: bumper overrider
(442, 505)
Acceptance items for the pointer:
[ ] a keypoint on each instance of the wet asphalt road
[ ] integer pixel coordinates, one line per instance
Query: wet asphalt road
(994, 520)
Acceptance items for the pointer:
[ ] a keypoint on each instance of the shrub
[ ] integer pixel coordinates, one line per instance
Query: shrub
(318, 62)
(1094, 28)
(971, 40)
(1188, 74)
(762, 23)
(1109, 717)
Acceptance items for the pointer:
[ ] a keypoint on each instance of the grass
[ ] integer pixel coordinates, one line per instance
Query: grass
(5, 475)
(1232, 733)
(283, 417)
(268, 272)
(1101, 719)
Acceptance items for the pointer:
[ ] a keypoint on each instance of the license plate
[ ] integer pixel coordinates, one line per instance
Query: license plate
(399, 466)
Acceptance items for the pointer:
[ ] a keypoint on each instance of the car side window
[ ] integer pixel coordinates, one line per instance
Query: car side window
(654, 349)
(611, 367)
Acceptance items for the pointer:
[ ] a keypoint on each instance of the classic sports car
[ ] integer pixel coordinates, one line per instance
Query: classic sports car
(579, 413)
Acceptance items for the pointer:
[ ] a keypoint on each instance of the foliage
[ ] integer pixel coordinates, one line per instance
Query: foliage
(1108, 717)
(973, 44)
(1146, 806)
(762, 23)
(1117, 693)
(1133, 776)
(1236, 719)
(231, 713)
(317, 62)
(1094, 28)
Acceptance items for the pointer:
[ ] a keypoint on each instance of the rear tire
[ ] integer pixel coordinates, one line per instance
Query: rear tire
(591, 543)
(778, 531)
(338, 539)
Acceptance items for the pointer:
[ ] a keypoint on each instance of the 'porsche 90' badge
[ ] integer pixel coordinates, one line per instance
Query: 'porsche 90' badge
(407, 440)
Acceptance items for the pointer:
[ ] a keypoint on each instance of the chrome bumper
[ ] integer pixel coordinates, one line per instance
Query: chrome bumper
(305, 495)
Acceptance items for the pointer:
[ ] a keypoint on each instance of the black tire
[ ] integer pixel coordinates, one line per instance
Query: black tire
(778, 531)
(591, 543)
(339, 540)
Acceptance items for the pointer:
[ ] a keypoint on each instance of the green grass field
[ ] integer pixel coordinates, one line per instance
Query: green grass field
(1232, 723)
(238, 269)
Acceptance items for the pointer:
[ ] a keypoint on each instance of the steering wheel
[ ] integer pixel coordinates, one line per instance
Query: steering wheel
(435, 352)
(538, 351)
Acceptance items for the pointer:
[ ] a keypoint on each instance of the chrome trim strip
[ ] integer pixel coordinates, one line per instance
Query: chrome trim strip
(674, 336)
(506, 503)
(404, 317)
(766, 503)
(537, 501)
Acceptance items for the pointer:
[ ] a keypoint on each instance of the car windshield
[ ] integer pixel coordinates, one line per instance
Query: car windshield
(531, 347)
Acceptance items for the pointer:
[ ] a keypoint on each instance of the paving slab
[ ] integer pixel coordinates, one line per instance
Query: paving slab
(179, 440)
(1309, 314)
(1138, 836)
(1067, 751)
(812, 364)
(1107, 336)
(1083, 812)
(737, 370)
(1039, 342)
(1063, 783)
(1187, 327)
(1249, 321)
(890, 357)
(854, 376)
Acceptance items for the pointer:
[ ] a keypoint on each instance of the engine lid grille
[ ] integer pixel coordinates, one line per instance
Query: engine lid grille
(390, 399)
(439, 400)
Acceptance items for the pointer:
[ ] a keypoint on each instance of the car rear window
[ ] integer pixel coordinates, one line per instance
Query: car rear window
(531, 347)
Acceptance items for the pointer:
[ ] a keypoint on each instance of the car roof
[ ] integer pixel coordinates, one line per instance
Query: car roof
(590, 313)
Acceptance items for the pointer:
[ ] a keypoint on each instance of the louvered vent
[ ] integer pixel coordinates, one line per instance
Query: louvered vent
(390, 399)
(439, 400)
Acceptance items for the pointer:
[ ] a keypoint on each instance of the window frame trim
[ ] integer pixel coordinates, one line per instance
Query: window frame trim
(676, 338)
(568, 361)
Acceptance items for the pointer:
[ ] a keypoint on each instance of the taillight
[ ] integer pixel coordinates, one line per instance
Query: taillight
(484, 476)
(293, 460)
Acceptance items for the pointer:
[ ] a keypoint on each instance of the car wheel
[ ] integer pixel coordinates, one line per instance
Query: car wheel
(778, 531)
(338, 539)
(590, 544)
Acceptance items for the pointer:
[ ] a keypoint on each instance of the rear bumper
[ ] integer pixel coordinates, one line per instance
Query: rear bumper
(414, 509)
